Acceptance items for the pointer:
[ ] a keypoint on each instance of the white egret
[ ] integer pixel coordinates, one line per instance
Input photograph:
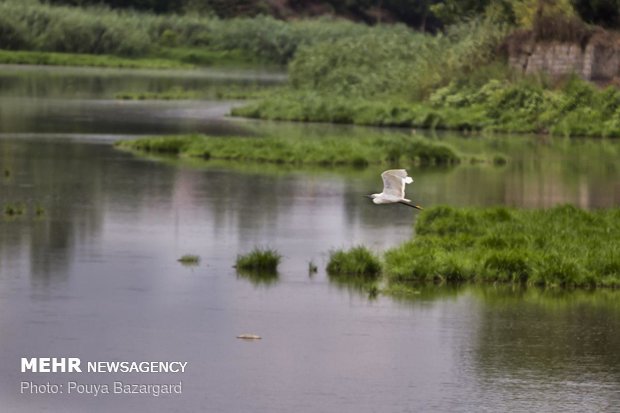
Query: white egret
(394, 181)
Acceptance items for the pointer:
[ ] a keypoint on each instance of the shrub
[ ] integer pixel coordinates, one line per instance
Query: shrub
(358, 261)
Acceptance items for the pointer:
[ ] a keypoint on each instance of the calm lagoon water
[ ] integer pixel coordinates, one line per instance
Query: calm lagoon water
(96, 276)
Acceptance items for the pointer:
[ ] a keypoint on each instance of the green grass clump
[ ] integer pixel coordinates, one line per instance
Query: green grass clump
(263, 261)
(189, 259)
(323, 151)
(562, 246)
(357, 262)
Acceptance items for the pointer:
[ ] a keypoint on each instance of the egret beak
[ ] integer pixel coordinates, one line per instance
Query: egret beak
(367, 196)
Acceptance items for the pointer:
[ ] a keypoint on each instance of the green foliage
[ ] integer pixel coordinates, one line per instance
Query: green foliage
(393, 61)
(358, 262)
(563, 246)
(263, 261)
(13, 34)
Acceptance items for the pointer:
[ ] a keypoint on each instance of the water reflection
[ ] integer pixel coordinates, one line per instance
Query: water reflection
(258, 278)
(82, 100)
(556, 346)
(41, 82)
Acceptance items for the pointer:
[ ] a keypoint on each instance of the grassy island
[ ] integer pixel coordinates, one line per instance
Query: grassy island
(560, 247)
(324, 151)
(563, 246)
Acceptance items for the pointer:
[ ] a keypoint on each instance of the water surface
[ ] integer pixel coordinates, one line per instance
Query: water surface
(97, 275)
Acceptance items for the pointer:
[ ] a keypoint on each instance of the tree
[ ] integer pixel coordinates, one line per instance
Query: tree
(602, 12)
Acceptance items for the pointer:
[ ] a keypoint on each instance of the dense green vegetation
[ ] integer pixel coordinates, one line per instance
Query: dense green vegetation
(451, 81)
(325, 151)
(575, 108)
(357, 262)
(562, 246)
(386, 78)
(29, 25)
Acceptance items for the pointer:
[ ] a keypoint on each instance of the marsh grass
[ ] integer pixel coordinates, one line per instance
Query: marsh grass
(563, 247)
(357, 262)
(78, 59)
(324, 151)
(230, 92)
(189, 260)
(173, 94)
(259, 261)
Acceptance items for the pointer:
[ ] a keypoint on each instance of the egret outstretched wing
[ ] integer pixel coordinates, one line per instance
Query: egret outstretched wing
(394, 181)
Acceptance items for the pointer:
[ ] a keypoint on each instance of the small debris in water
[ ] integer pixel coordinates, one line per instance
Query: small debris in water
(249, 337)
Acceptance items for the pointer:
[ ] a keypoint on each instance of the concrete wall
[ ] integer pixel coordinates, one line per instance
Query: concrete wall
(597, 61)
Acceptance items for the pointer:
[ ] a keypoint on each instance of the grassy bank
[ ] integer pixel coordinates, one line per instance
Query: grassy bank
(78, 59)
(232, 92)
(324, 151)
(576, 108)
(563, 246)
